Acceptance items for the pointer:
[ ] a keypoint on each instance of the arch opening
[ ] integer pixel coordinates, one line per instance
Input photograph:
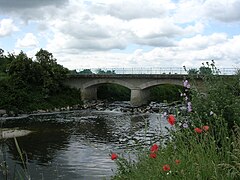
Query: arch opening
(113, 92)
(165, 93)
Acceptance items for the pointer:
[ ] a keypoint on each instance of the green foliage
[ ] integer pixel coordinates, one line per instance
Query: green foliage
(86, 71)
(52, 73)
(4, 62)
(193, 71)
(113, 92)
(205, 70)
(221, 97)
(100, 71)
(166, 92)
(31, 85)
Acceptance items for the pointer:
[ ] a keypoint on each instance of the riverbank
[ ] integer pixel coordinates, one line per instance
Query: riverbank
(121, 106)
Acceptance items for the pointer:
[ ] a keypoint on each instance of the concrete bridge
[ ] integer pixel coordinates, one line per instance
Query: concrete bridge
(139, 84)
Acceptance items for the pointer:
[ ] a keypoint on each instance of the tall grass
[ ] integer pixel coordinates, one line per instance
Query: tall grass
(20, 173)
(199, 156)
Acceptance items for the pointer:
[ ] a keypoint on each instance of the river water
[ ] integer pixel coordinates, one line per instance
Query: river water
(76, 145)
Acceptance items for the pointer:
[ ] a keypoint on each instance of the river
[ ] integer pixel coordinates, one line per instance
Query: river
(76, 145)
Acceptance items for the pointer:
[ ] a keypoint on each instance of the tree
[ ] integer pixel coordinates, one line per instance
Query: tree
(21, 70)
(4, 62)
(52, 73)
(100, 71)
(86, 71)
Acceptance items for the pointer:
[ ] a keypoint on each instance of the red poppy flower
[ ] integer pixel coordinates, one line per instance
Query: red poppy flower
(153, 155)
(177, 161)
(205, 128)
(166, 167)
(198, 130)
(154, 148)
(171, 119)
(114, 156)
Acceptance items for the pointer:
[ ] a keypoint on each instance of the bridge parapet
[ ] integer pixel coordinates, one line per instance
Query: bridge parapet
(147, 70)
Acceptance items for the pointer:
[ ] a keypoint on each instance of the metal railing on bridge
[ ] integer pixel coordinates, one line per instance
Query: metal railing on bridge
(151, 70)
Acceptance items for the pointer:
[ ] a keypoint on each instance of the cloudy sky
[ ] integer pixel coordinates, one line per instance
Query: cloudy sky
(124, 33)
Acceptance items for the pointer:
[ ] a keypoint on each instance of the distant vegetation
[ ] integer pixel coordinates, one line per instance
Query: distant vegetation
(113, 92)
(165, 93)
(161, 93)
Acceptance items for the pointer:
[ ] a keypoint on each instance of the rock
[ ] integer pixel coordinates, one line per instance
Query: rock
(10, 133)
(4, 115)
(41, 111)
(2, 112)
(56, 109)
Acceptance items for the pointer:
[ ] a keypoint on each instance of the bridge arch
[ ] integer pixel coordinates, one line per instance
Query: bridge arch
(157, 82)
(97, 82)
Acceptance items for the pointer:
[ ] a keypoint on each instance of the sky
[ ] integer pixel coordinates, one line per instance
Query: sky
(124, 33)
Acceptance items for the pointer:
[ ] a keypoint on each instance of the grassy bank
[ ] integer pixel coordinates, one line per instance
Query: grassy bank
(188, 155)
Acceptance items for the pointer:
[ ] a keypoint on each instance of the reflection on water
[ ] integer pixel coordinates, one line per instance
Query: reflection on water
(77, 145)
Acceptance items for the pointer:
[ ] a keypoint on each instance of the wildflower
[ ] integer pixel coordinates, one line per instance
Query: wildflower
(154, 148)
(171, 119)
(114, 156)
(185, 83)
(185, 125)
(198, 130)
(164, 114)
(153, 155)
(211, 113)
(189, 106)
(205, 128)
(177, 161)
(166, 167)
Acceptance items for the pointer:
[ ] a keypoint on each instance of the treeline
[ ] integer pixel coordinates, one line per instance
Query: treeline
(27, 85)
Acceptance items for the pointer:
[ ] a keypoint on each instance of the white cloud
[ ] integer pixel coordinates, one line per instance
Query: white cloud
(200, 42)
(144, 33)
(7, 27)
(29, 40)
(224, 10)
(188, 11)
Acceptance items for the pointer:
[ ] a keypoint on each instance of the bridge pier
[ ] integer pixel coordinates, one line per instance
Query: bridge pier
(89, 93)
(139, 97)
